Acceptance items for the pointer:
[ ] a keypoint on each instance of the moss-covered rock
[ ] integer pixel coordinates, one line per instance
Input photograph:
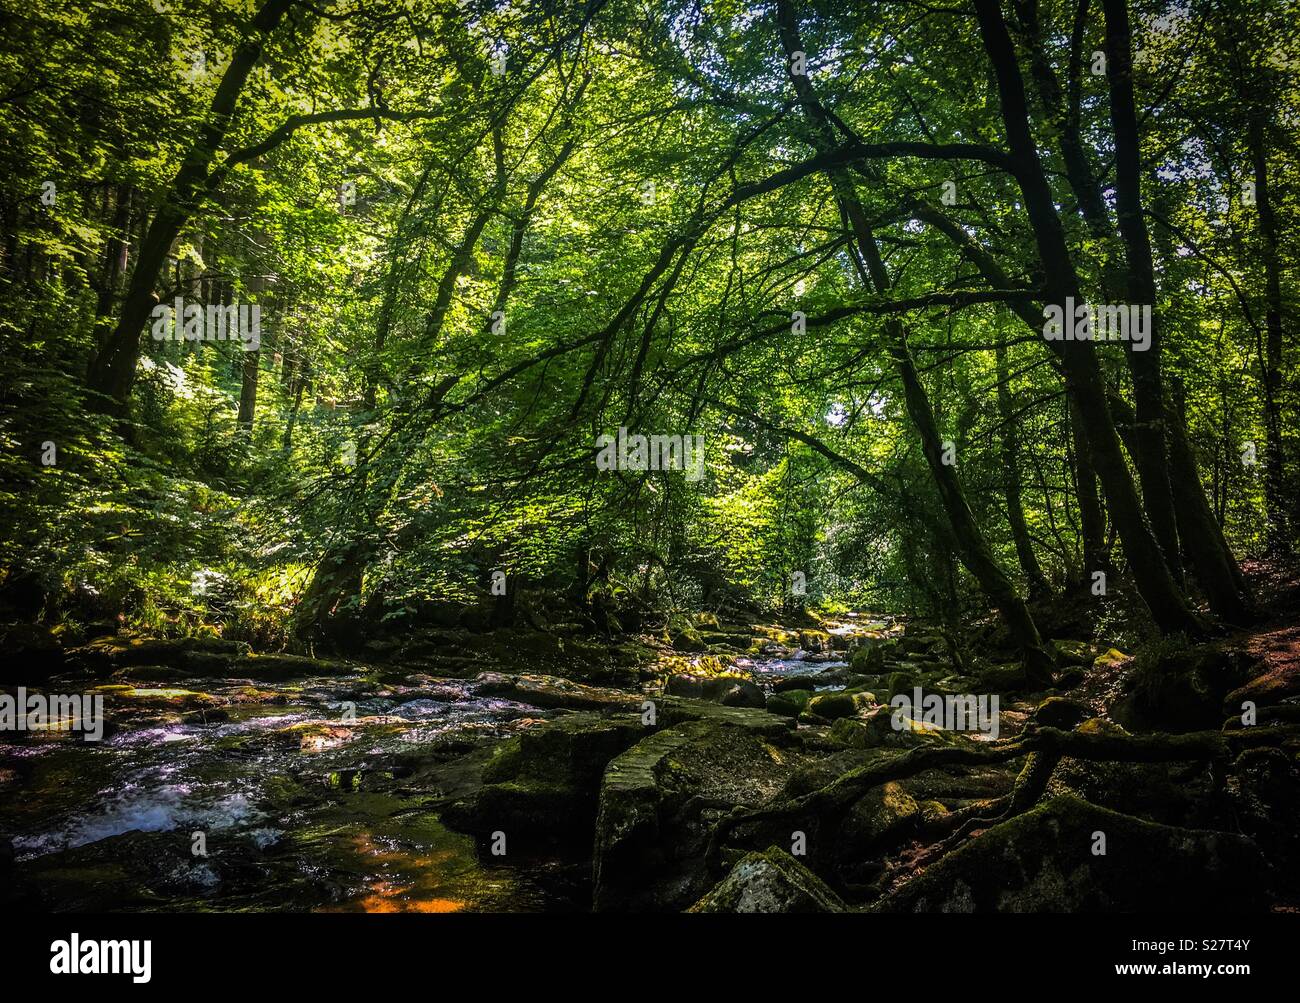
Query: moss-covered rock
(553, 692)
(832, 706)
(881, 817)
(116, 651)
(1044, 861)
(870, 657)
(1067, 652)
(672, 711)
(1006, 678)
(1059, 712)
(1110, 658)
(688, 639)
(659, 801)
(770, 882)
(817, 641)
(541, 787)
(789, 703)
(730, 691)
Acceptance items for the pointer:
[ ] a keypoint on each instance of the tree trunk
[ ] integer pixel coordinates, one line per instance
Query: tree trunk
(1034, 577)
(112, 373)
(1275, 499)
(1084, 382)
(972, 547)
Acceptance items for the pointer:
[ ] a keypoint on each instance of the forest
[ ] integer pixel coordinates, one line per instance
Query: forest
(649, 456)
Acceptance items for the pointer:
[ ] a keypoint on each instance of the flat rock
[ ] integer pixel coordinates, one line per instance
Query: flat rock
(554, 692)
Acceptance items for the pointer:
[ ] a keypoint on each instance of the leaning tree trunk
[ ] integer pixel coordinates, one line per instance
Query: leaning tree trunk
(972, 547)
(112, 373)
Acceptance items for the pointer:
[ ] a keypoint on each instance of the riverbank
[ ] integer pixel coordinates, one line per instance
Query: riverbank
(774, 767)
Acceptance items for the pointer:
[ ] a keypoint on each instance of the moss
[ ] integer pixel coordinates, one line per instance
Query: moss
(1043, 861)
(845, 703)
(789, 703)
(1110, 658)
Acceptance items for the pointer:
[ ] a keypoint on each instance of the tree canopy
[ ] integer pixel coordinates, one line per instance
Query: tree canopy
(824, 238)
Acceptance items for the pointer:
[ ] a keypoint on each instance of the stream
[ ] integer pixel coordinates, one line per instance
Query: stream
(295, 790)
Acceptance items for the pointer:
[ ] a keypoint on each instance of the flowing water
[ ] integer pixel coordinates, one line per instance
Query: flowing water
(310, 795)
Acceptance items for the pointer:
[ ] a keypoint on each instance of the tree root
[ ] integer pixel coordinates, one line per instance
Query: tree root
(836, 798)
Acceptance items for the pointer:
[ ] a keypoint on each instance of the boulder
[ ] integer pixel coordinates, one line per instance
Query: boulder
(672, 710)
(832, 706)
(730, 691)
(541, 787)
(1068, 653)
(881, 817)
(789, 703)
(817, 641)
(117, 651)
(688, 640)
(1059, 712)
(659, 802)
(553, 692)
(770, 882)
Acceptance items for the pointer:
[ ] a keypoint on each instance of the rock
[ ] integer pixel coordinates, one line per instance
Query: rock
(787, 683)
(921, 645)
(1058, 712)
(552, 692)
(882, 816)
(817, 641)
(831, 706)
(278, 667)
(854, 734)
(1172, 687)
(770, 882)
(1110, 658)
(688, 640)
(169, 698)
(1043, 861)
(659, 802)
(1007, 678)
(789, 703)
(870, 658)
(672, 711)
(843, 675)
(317, 736)
(1069, 679)
(117, 651)
(541, 787)
(150, 674)
(877, 728)
(709, 620)
(1073, 652)
(730, 691)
